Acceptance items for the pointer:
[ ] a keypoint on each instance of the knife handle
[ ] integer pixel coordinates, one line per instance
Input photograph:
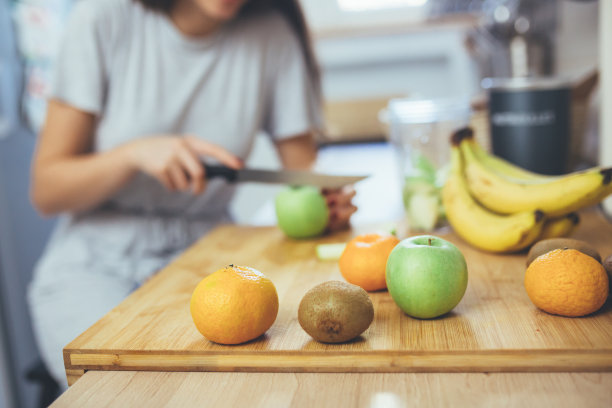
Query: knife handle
(227, 173)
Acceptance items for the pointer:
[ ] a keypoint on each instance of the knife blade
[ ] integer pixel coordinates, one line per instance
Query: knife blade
(292, 177)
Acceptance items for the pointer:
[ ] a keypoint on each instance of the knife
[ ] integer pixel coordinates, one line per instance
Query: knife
(293, 177)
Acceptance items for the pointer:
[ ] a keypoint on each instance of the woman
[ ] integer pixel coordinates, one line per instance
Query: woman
(144, 90)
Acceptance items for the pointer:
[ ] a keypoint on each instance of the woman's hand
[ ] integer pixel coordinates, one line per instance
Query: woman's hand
(175, 161)
(67, 176)
(340, 206)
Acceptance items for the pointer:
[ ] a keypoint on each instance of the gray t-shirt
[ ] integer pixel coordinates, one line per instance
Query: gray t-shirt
(134, 69)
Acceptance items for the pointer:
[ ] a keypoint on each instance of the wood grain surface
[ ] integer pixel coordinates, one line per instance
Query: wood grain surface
(494, 328)
(165, 389)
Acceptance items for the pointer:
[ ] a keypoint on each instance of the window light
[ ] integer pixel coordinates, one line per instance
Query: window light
(364, 5)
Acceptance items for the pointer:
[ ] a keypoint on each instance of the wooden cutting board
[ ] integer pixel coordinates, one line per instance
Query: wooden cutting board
(495, 327)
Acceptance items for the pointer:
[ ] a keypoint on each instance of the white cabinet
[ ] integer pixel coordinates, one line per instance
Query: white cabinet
(424, 62)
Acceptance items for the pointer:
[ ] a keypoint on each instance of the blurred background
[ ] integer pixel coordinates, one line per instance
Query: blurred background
(370, 51)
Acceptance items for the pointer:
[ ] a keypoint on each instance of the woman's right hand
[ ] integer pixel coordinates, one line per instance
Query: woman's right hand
(175, 161)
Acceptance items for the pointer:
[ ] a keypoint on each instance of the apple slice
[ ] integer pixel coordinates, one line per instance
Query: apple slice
(423, 211)
(330, 252)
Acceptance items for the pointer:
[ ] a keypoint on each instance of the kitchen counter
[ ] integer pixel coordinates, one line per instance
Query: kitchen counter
(174, 389)
(495, 328)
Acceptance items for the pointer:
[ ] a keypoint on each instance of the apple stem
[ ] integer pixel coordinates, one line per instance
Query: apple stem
(429, 241)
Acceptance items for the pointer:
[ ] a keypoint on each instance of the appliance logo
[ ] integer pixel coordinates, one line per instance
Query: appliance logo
(543, 118)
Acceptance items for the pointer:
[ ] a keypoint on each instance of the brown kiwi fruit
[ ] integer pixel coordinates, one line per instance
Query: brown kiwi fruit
(547, 245)
(335, 312)
(607, 263)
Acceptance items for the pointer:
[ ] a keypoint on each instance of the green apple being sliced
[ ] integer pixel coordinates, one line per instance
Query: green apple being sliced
(301, 212)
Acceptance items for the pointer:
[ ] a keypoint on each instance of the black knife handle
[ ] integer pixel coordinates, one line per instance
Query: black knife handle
(227, 173)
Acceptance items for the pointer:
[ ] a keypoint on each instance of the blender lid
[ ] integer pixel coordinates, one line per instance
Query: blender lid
(526, 83)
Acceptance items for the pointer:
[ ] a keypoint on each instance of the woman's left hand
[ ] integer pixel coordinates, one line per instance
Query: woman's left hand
(339, 202)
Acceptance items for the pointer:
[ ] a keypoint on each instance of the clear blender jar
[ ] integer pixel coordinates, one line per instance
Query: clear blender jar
(420, 132)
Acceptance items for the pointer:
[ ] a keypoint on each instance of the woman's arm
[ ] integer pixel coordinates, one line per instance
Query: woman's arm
(299, 152)
(68, 177)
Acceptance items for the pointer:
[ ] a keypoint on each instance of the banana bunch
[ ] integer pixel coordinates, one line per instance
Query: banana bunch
(499, 207)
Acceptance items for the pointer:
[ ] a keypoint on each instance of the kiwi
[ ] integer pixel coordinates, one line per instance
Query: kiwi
(607, 263)
(335, 312)
(547, 245)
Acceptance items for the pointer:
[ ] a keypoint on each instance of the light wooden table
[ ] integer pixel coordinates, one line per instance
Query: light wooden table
(494, 347)
(495, 327)
(183, 389)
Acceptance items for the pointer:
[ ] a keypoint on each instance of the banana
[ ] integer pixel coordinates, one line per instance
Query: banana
(555, 197)
(478, 226)
(559, 227)
(503, 167)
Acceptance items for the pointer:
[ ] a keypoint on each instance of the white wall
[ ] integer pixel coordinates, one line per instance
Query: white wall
(326, 15)
(577, 38)
(427, 63)
(578, 48)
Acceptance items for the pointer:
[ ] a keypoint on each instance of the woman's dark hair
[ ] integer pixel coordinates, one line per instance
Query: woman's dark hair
(289, 9)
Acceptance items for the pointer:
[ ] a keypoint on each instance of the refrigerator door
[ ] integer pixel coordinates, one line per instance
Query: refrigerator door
(7, 397)
(23, 233)
(10, 75)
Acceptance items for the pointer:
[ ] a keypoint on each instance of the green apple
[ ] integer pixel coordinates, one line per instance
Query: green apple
(301, 212)
(426, 276)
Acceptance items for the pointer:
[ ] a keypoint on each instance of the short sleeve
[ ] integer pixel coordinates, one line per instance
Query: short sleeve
(79, 71)
(293, 104)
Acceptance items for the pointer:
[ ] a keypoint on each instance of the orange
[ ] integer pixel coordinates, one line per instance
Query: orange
(234, 304)
(567, 282)
(364, 260)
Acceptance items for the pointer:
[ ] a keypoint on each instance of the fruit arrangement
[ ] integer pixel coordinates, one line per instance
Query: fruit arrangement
(426, 277)
(499, 207)
(490, 203)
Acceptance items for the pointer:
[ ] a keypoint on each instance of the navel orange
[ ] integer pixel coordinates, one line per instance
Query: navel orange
(234, 305)
(567, 282)
(364, 260)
